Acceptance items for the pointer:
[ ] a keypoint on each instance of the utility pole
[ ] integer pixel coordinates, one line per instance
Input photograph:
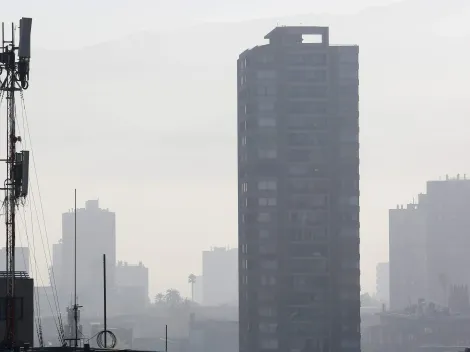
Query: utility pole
(105, 304)
(14, 77)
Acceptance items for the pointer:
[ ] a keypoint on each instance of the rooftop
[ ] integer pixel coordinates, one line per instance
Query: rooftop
(296, 34)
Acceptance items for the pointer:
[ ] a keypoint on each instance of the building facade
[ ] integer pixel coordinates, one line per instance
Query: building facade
(383, 283)
(220, 276)
(132, 288)
(447, 236)
(407, 253)
(96, 235)
(428, 241)
(298, 191)
(23, 309)
(199, 289)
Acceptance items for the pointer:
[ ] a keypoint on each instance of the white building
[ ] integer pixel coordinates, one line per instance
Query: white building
(220, 276)
(383, 282)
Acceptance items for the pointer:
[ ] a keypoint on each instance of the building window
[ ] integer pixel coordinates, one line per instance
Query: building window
(316, 155)
(266, 74)
(268, 280)
(267, 122)
(266, 295)
(266, 90)
(264, 234)
(314, 76)
(309, 265)
(267, 202)
(308, 185)
(301, 234)
(264, 217)
(269, 264)
(308, 91)
(305, 170)
(317, 59)
(305, 217)
(306, 122)
(244, 187)
(308, 201)
(307, 139)
(267, 312)
(264, 59)
(243, 140)
(269, 344)
(308, 107)
(267, 185)
(267, 248)
(267, 153)
(268, 328)
(266, 106)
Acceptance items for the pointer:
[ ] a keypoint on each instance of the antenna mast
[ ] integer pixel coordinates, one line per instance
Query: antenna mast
(14, 77)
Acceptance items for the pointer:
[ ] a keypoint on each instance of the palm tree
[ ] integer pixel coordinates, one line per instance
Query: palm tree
(159, 298)
(192, 281)
(173, 297)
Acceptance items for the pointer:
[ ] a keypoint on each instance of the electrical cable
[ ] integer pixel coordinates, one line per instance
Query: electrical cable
(45, 244)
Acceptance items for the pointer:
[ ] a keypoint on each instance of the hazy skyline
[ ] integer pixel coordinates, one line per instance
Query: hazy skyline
(158, 145)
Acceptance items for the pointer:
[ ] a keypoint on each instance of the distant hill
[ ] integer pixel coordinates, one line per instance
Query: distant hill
(151, 120)
(179, 88)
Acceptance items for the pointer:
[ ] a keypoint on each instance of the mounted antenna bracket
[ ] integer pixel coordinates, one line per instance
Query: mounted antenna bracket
(22, 174)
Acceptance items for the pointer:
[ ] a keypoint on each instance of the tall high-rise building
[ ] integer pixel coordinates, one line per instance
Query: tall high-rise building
(96, 235)
(447, 236)
(298, 169)
(220, 276)
(407, 253)
(428, 244)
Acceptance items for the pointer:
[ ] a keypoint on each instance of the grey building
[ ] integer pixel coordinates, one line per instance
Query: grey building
(407, 253)
(96, 235)
(298, 184)
(428, 244)
(383, 282)
(447, 236)
(132, 288)
(220, 276)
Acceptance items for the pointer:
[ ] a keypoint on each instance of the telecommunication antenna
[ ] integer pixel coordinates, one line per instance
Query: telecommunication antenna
(14, 77)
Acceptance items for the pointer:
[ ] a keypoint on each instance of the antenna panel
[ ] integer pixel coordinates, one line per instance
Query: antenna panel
(25, 173)
(24, 50)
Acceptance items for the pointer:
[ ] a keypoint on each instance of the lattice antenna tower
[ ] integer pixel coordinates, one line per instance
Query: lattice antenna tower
(14, 78)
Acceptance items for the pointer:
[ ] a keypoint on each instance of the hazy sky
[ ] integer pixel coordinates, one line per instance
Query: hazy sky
(147, 158)
(72, 24)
